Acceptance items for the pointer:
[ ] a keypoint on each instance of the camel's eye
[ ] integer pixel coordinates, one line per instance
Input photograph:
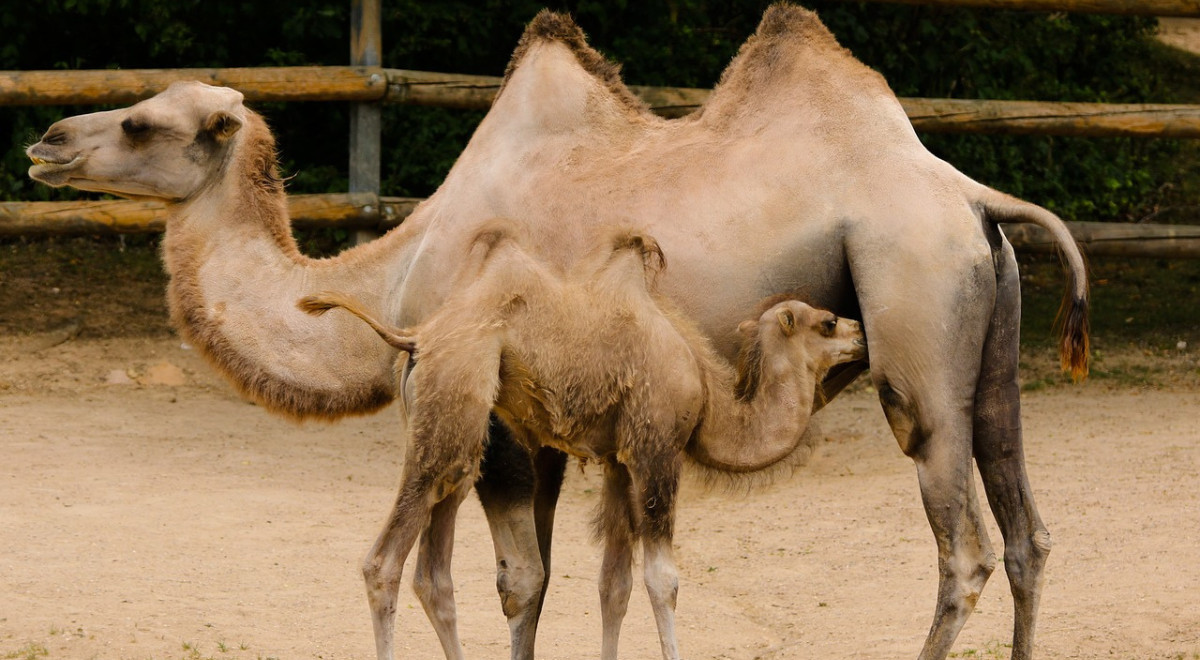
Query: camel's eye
(134, 128)
(829, 325)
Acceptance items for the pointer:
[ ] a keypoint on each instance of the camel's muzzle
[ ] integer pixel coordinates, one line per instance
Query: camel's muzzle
(51, 170)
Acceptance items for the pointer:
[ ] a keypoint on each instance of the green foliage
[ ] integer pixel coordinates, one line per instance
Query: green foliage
(989, 54)
(922, 51)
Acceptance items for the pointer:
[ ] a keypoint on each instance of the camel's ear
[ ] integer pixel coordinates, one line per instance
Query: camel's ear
(787, 321)
(747, 328)
(221, 125)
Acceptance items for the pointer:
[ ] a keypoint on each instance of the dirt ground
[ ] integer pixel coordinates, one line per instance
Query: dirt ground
(147, 512)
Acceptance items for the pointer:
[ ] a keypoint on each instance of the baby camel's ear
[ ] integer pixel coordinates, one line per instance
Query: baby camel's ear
(787, 321)
(221, 125)
(747, 328)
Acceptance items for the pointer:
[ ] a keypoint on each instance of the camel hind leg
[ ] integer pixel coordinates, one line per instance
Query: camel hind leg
(925, 353)
(448, 429)
(384, 564)
(1000, 455)
(432, 581)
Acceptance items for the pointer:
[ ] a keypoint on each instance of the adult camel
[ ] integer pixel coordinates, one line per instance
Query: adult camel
(801, 175)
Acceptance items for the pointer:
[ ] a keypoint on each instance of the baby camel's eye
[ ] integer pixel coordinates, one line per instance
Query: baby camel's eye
(829, 325)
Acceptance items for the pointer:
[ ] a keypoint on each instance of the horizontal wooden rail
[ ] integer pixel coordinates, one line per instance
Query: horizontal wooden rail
(1114, 239)
(477, 92)
(349, 210)
(928, 115)
(367, 211)
(123, 86)
(1129, 7)
(1050, 118)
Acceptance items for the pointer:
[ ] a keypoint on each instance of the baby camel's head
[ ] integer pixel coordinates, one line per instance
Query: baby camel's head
(792, 336)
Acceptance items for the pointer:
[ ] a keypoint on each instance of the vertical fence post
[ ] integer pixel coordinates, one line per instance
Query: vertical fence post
(366, 46)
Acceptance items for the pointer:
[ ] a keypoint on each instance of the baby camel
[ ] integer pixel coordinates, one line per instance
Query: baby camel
(594, 364)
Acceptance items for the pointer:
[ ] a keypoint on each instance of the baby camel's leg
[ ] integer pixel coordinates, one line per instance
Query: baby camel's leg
(432, 581)
(655, 484)
(385, 562)
(615, 524)
(448, 424)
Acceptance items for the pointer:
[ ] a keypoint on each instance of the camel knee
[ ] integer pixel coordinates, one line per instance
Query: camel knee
(1023, 562)
(615, 588)
(383, 584)
(968, 578)
(519, 585)
(662, 581)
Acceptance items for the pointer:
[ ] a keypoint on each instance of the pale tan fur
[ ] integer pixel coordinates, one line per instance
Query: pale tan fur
(800, 176)
(593, 364)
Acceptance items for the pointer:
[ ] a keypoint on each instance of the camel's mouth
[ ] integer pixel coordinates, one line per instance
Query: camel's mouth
(857, 351)
(50, 171)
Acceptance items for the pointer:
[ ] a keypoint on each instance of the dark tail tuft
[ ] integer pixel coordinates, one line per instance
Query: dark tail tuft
(1074, 330)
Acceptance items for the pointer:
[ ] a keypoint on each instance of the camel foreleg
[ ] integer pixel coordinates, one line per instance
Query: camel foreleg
(550, 466)
(656, 490)
(506, 489)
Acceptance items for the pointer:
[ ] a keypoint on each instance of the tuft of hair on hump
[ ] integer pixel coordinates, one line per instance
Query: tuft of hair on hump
(782, 24)
(561, 28)
(784, 19)
(653, 259)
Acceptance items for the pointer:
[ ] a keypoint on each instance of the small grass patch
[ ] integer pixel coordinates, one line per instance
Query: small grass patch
(992, 649)
(30, 651)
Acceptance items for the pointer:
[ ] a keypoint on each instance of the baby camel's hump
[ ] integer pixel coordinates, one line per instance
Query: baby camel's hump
(591, 357)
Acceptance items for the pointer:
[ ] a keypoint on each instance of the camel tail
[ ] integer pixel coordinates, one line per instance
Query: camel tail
(327, 300)
(1072, 321)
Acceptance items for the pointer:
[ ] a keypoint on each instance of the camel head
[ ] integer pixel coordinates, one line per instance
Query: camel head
(791, 336)
(167, 147)
(825, 340)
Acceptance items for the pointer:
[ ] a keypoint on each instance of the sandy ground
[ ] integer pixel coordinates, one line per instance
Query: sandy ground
(147, 512)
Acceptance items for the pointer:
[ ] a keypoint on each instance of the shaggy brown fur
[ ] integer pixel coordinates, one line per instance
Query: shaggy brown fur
(595, 365)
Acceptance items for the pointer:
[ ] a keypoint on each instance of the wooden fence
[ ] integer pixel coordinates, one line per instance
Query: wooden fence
(368, 85)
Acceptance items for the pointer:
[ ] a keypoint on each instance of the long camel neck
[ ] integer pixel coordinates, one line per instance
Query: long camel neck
(740, 435)
(236, 275)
